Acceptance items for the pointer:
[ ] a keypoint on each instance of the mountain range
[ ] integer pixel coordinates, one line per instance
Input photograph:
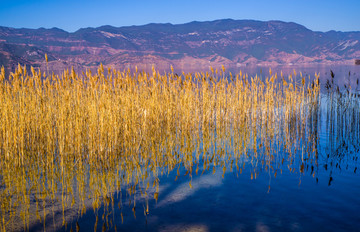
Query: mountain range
(191, 45)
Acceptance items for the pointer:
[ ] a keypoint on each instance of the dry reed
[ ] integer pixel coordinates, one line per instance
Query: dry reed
(103, 131)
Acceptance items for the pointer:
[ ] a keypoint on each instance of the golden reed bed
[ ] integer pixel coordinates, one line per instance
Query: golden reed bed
(69, 139)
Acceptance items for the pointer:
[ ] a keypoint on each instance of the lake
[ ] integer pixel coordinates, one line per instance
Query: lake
(284, 163)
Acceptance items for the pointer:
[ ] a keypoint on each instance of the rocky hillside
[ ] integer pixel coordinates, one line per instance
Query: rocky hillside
(191, 45)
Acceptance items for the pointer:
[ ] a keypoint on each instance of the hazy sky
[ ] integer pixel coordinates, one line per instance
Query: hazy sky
(70, 15)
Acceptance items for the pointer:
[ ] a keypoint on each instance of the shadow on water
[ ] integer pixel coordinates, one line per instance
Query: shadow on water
(246, 155)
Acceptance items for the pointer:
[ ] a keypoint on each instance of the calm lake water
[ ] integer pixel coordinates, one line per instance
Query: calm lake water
(305, 180)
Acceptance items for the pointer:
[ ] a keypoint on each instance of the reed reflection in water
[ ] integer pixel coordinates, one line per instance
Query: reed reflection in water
(102, 142)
